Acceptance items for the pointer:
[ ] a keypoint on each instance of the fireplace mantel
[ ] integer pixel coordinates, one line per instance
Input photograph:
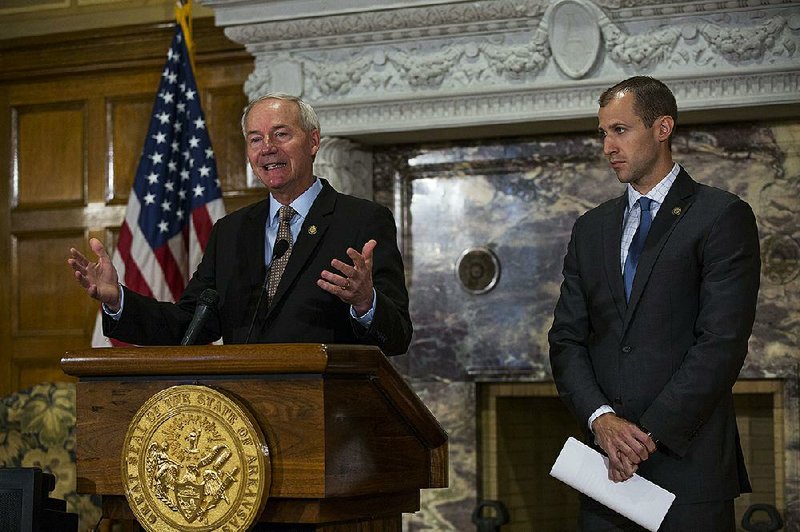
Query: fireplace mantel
(372, 68)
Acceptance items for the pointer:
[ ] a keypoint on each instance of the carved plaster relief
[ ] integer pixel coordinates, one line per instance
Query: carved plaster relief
(499, 61)
(574, 36)
(346, 165)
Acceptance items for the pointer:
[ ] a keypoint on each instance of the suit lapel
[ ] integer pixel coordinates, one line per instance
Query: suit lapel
(311, 234)
(612, 236)
(676, 204)
(251, 237)
(250, 240)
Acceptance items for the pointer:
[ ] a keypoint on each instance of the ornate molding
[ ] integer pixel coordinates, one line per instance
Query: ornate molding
(380, 25)
(539, 104)
(514, 61)
(742, 44)
(639, 51)
(650, 9)
(461, 63)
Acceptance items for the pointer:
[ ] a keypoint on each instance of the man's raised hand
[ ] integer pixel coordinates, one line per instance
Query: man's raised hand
(99, 279)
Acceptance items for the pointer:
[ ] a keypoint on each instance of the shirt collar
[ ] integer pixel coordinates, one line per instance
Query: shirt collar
(301, 204)
(658, 192)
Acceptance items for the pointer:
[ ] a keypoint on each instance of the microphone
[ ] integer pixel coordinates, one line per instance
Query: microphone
(206, 304)
(278, 251)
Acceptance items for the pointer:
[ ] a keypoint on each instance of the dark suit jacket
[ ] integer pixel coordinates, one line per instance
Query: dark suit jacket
(233, 265)
(666, 360)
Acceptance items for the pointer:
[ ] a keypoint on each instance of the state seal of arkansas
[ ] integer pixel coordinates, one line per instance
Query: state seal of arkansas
(195, 460)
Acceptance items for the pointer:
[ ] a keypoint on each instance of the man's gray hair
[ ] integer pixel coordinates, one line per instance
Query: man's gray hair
(309, 120)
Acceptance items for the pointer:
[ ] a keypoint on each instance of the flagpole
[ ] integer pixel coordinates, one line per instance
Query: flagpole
(183, 15)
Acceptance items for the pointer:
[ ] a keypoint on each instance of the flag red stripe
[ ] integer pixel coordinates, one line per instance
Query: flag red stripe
(202, 225)
(172, 273)
(133, 276)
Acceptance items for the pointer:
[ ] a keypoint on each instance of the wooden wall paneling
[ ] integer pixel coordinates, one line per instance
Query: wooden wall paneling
(135, 47)
(48, 312)
(223, 106)
(54, 182)
(10, 7)
(49, 154)
(109, 237)
(96, 160)
(46, 305)
(5, 244)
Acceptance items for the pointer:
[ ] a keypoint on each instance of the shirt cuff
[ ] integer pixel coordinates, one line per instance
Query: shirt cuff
(605, 409)
(365, 320)
(118, 314)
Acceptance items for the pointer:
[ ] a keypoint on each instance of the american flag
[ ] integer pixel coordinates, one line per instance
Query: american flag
(176, 195)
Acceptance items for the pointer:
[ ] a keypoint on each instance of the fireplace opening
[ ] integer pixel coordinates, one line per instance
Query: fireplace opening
(522, 427)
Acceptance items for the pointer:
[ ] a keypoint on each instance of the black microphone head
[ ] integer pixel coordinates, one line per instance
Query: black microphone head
(209, 298)
(281, 247)
(202, 312)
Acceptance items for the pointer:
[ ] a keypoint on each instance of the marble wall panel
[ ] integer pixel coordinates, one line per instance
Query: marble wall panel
(453, 404)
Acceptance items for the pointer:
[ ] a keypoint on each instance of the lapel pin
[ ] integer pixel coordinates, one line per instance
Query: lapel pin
(677, 211)
(312, 230)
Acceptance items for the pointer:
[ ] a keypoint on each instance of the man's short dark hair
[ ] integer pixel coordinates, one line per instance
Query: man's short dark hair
(652, 98)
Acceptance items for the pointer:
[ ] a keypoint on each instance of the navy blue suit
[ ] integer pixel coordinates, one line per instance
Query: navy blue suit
(667, 359)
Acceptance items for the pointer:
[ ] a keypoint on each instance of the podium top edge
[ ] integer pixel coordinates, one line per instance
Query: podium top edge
(222, 359)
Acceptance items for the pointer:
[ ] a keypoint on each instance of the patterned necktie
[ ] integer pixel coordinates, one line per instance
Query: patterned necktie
(278, 265)
(637, 244)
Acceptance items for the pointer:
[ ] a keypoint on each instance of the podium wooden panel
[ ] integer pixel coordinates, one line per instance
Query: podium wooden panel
(350, 442)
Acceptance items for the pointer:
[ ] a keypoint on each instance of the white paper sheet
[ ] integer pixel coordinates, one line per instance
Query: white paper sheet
(586, 470)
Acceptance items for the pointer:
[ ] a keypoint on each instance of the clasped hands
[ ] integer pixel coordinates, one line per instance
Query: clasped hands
(353, 283)
(626, 445)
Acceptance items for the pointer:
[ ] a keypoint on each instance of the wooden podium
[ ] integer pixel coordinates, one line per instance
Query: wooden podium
(351, 444)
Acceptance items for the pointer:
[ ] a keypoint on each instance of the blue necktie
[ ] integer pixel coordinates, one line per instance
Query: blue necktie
(637, 244)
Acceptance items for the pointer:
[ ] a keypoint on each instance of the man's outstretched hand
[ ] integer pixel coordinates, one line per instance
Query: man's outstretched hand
(99, 279)
(353, 283)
